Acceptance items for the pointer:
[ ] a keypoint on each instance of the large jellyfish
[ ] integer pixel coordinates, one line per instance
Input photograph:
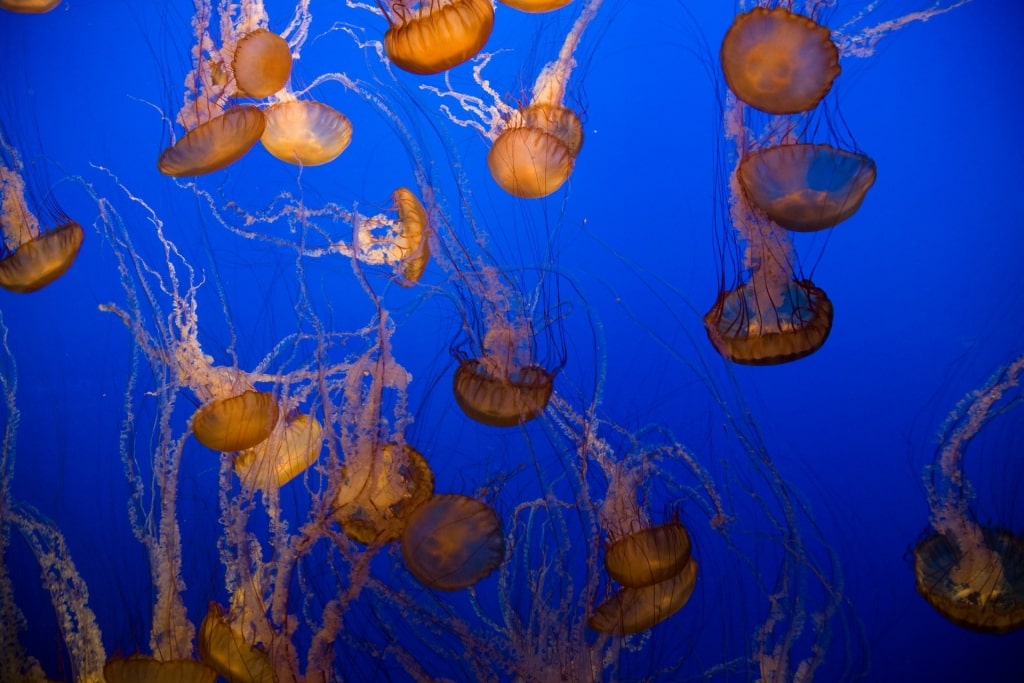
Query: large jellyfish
(31, 256)
(971, 573)
(430, 36)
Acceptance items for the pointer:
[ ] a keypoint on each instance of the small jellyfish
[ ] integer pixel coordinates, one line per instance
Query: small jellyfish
(451, 542)
(215, 144)
(225, 650)
(632, 610)
(288, 451)
(305, 133)
(806, 187)
(237, 422)
(778, 61)
(535, 6)
(28, 6)
(397, 239)
(437, 35)
(262, 63)
(142, 669)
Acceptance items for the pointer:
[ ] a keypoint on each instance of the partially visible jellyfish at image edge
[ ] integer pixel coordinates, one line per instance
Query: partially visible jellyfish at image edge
(972, 574)
(28, 6)
(535, 6)
(533, 148)
(31, 257)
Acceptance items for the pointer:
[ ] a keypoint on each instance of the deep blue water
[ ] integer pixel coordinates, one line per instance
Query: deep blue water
(617, 267)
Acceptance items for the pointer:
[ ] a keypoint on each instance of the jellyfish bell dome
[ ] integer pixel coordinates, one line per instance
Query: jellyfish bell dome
(412, 239)
(237, 422)
(754, 327)
(648, 556)
(501, 400)
(535, 6)
(262, 63)
(980, 589)
(632, 610)
(225, 650)
(305, 133)
(778, 61)
(806, 187)
(452, 541)
(40, 261)
(28, 6)
(536, 153)
(142, 669)
(291, 448)
(437, 35)
(215, 144)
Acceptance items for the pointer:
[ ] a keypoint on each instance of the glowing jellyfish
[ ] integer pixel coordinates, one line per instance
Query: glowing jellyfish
(28, 6)
(451, 542)
(305, 133)
(778, 61)
(632, 610)
(142, 669)
(262, 63)
(535, 6)
(806, 187)
(973, 575)
(215, 144)
(437, 35)
(288, 451)
(225, 650)
(31, 257)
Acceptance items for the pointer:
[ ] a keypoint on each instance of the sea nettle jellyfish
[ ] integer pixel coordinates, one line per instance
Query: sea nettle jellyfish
(28, 6)
(972, 574)
(535, 6)
(430, 36)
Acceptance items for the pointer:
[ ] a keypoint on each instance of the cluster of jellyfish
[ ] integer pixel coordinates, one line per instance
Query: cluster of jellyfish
(334, 538)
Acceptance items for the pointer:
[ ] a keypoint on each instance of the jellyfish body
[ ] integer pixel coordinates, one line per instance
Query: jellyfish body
(632, 610)
(501, 399)
(28, 6)
(535, 154)
(754, 325)
(778, 61)
(288, 451)
(451, 542)
(225, 650)
(237, 422)
(141, 669)
(412, 240)
(305, 133)
(535, 6)
(215, 144)
(648, 556)
(262, 63)
(437, 35)
(806, 187)
(41, 260)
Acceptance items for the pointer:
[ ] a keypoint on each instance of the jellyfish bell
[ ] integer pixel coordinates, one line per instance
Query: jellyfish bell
(28, 6)
(452, 541)
(535, 6)
(142, 669)
(289, 450)
(262, 63)
(237, 422)
(806, 187)
(437, 35)
(224, 649)
(632, 610)
(305, 133)
(215, 144)
(777, 61)
(38, 262)
(535, 153)
(648, 556)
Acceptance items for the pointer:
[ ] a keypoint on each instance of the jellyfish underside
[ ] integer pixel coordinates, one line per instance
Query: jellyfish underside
(778, 61)
(392, 492)
(40, 261)
(141, 669)
(806, 187)
(754, 327)
(648, 556)
(501, 400)
(305, 133)
(214, 145)
(237, 422)
(451, 542)
(224, 650)
(289, 450)
(437, 37)
(535, 155)
(28, 6)
(262, 63)
(980, 589)
(632, 610)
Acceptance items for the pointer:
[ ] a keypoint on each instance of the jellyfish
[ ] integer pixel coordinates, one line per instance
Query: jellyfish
(533, 148)
(535, 6)
(778, 61)
(972, 574)
(289, 450)
(437, 35)
(31, 257)
(261, 64)
(305, 132)
(226, 651)
(452, 541)
(139, 668)
(28, 6)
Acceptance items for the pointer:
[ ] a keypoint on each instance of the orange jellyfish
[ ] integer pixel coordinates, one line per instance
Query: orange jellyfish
(451, 542)
(535, 6)
(31, 257)
(225, 650)
(972, 574)
(306, 133)
(778, 61)
(28, 6)
(139, 669)
(261, 64)
(437, 35)
(289, 450)
(806, 187)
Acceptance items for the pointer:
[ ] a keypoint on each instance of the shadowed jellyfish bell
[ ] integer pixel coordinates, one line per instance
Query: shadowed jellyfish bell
(501, 398)
(141, 669)
(806, 187)
(437, 35)
(262, 63)
(536, 153)
(452, 541)
(648, 556)
(28, 6)
(237, 422)
(535, 6)
(225, 650)
(305, 133)
(632, 610)
(756, 325)
(778, 61)
(215, 144)
(289, 451)
(375, 506)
